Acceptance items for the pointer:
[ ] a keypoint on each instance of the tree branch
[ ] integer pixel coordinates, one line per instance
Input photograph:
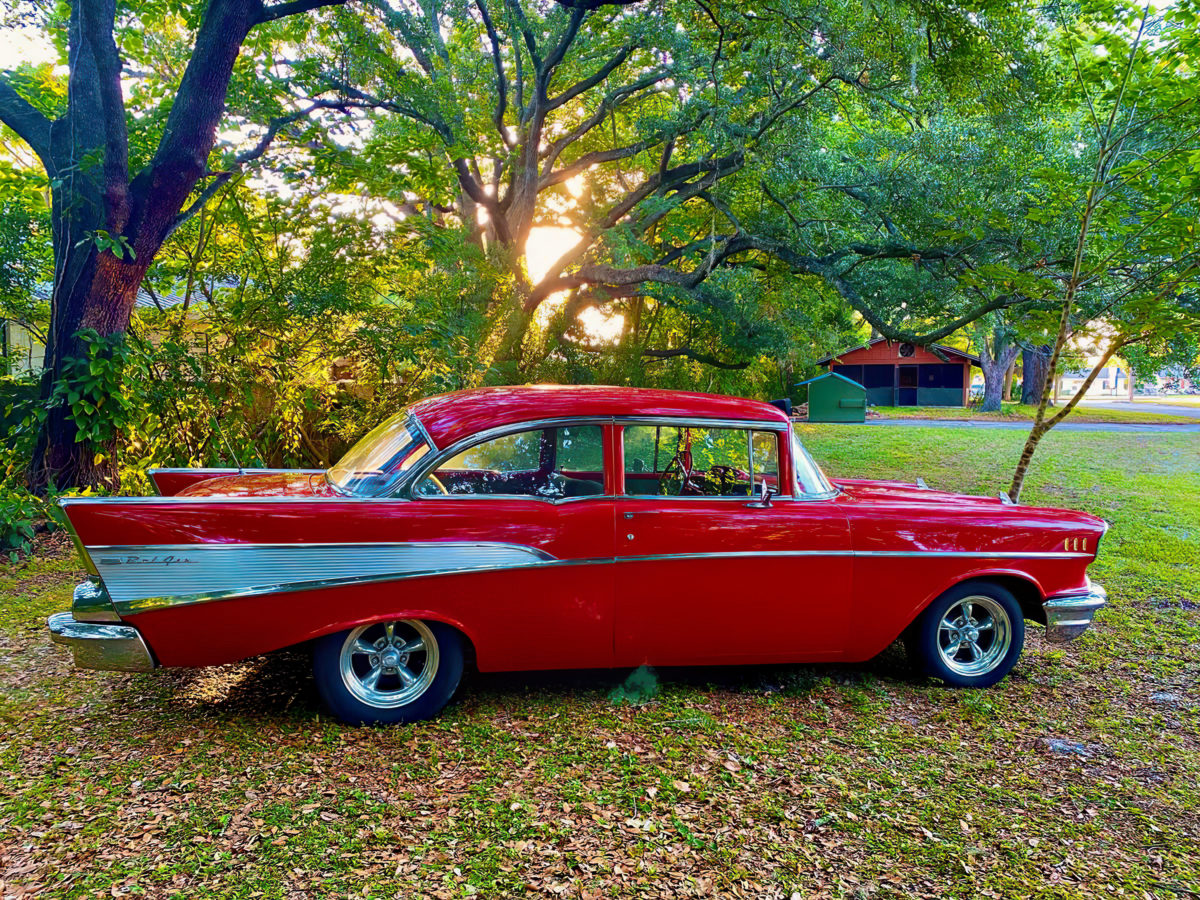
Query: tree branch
(689, 353)
(557, 54)
(607, 105)
(671, 353)
(30, 125)
(501, 79)
(585, 162)
(273, 128)
(582, 87)
(291, 8)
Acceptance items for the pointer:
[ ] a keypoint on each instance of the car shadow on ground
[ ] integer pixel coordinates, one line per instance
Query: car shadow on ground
(281, 684)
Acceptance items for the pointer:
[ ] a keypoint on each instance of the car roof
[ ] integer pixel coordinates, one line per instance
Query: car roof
(450, 418)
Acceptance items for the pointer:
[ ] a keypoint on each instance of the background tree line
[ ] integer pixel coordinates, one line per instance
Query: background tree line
(329, 208)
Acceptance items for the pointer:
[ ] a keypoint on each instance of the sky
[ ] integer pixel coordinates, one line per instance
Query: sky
(24, 45)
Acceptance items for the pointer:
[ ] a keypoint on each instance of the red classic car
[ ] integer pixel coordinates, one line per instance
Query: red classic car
(566, 527)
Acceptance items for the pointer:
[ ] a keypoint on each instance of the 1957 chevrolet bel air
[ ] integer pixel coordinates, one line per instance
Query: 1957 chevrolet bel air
(566, 527)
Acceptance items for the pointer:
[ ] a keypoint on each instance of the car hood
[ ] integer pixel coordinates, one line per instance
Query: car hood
(261, 484)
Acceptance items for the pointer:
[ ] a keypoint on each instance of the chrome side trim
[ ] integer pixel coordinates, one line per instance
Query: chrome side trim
(142, 578)
(64, 502)
(980, 554)
(230, 470)
(150, 577)
(702, 422)
(91, 603)
(115, 648)
(551, 500)
(1069, 615)
(952, 554)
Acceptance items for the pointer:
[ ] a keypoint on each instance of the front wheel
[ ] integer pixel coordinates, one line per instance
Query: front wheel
(388, 672)
(970, 636)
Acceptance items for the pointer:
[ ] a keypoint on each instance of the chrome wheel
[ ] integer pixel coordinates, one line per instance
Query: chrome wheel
(389, 664)
(974, 636)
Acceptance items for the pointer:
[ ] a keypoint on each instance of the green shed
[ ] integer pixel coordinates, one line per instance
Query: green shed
(835, 398)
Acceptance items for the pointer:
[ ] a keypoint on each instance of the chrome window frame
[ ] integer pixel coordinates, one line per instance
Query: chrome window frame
(489, 434)
(416, 429)
(748, 425)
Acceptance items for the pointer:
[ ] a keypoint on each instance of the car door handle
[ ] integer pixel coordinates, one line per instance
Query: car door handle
(642, 512)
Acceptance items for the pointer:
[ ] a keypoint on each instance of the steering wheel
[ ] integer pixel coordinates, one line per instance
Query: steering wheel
(679, 471)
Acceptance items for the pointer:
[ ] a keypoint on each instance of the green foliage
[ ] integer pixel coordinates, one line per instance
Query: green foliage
(92, 388)
(20, 512)
(116, 244)
(916, 162)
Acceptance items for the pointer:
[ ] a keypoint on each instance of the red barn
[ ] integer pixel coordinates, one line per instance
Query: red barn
(906, 375)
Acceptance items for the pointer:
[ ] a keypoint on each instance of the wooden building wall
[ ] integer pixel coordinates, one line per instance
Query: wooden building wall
(921, 379)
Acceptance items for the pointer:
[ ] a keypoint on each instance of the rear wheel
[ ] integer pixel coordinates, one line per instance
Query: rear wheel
(970, 636)
(404, 670)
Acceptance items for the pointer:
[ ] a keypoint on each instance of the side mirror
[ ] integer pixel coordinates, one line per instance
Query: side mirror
(765, 493)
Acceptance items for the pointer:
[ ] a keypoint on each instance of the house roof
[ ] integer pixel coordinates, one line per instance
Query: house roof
(451, 417)
(166, 299)
(949, 351)
(828, 375)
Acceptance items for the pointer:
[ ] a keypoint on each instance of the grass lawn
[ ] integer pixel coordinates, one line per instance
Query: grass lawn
(1015, 412)
(1170, 399)
(1079, 776)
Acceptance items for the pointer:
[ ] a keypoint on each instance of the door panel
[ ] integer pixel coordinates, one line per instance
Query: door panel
(711, 580)
(544, 616)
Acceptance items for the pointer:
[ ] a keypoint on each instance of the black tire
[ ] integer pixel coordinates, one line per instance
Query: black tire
(932, 647)
(354, 706)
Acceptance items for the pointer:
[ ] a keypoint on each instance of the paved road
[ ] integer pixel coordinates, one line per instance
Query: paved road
(1024, 426)
(1169, 409)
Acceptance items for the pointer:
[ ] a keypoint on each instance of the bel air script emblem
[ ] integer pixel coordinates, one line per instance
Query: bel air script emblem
(168, 560)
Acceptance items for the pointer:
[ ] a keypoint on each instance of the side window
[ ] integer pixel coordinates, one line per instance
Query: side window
(520, 452)
(549, 463)
(765, 457)
(579, 450)
(675, 461)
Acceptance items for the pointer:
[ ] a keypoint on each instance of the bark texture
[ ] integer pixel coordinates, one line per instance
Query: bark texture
(996, 359)
(1035, 366)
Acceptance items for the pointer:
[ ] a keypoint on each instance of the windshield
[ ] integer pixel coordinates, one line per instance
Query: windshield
(373, 466)
(809, 478)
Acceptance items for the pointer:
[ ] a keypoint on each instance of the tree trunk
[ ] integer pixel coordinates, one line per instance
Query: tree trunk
(94, 202)
(993, 384)
(1035, 365)
(1008, 380)
(994, 371)
(101, 298)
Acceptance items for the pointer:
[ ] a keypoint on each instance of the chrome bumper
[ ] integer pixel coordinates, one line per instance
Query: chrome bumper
(1069, 615)
(97, 645)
